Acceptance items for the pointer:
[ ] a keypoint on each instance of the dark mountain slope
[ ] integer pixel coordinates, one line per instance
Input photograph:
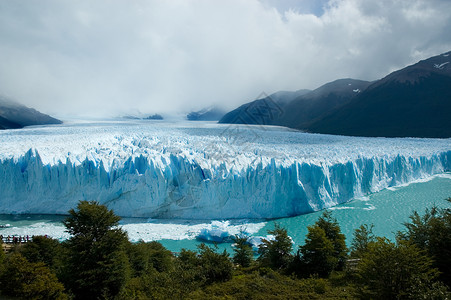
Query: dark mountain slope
(305, 109)
(7, 124)
(301, 109)
(263, 111)
(412, 102)
(207, 114)
(14, 115)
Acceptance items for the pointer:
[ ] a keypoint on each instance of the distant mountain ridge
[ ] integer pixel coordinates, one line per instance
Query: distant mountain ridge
(263, 111)
(304, 110)
(14, 115)
(412, 102)
(212, 113)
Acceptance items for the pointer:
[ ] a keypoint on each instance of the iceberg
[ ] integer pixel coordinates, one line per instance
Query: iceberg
(203, 171)
(217, 232)
(256, 241)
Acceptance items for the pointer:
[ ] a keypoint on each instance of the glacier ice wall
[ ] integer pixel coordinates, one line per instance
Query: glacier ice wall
(212, 172)
(183, 189)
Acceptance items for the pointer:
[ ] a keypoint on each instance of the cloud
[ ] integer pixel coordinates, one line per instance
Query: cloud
(112, 57)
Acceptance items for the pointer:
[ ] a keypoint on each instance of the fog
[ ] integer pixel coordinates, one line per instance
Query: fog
(107, 58)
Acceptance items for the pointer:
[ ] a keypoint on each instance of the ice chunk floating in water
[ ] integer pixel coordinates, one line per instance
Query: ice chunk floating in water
(204, 170)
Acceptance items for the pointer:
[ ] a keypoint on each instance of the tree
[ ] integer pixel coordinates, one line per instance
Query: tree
(91, 221)
(419, 230)
(316, 256)
(146, 256)
(362, 237)
(215, 267)
(42, 249)
(432, 233)
(21, 278)
(333, 233)
(188, 274)
(96, 263)
(390, 271)
(243, 251)
(276, 253)
(2, 255)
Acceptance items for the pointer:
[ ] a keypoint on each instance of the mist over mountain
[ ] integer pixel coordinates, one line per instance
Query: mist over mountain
(305, 109)
(412, 102)
(212, 113)
(14, 115)
(264, 110)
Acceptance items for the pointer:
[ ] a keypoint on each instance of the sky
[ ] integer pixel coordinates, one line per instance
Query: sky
(117, 57)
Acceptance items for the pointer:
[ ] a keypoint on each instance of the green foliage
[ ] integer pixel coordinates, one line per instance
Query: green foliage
(324, 250)
(27, 280)
(2, 256)
(146, 256)
(90, 221)
(272, 285)
(155, 285)
(276, 253)
(333, 233)
(317, 255)
(389, 271)
(96, 264)
(190, 271)
(433, 290)
(243, 254)
(215, 267)
(42, 249)
(362, 237)
(432, 232)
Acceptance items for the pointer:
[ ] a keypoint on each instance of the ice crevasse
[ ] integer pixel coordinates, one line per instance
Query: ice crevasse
(180, 187)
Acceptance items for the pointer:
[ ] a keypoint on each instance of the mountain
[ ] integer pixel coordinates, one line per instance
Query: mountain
(14, 115)
(154, 117)
(411, 102)
(263, 111)
(297, 109)
(140, 116)
(207, 114)
(307, 108)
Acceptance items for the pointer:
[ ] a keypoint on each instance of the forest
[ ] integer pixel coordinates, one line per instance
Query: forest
(99, 262)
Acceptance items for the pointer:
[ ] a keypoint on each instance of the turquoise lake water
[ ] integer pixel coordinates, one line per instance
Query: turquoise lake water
(387, 210)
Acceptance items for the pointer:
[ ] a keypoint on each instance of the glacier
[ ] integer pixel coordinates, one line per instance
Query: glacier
(170, 170)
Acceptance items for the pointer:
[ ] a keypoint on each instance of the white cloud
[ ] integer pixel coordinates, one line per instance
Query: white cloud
(102, 57)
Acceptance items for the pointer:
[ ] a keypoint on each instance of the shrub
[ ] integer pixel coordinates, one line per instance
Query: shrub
(389, 271)
(42, 249)
(21, 278)
(215, 267)
(432, 233)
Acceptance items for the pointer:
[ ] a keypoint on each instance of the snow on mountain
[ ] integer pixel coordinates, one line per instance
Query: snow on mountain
(440, 66)
(202, 170)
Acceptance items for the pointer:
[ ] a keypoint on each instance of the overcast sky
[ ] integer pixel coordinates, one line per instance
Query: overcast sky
(108, 57)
